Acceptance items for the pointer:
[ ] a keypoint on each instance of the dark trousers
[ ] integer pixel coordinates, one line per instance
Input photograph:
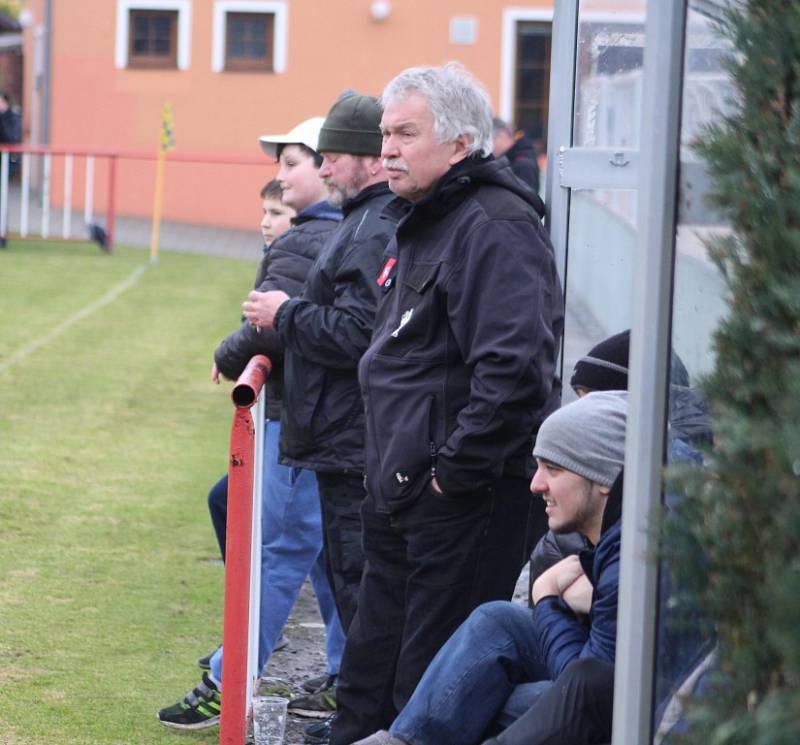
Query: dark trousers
(427, 567)
(341, 495)
(576, 710)
(218, 507)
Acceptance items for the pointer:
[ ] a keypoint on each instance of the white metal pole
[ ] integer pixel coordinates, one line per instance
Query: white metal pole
(66, 227)
(88, 200)
(24, 205)
(4, 194)
(647, 379)
(46, 197)
(258, 413)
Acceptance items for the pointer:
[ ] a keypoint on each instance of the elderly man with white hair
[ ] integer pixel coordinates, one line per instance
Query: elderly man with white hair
(459, 374)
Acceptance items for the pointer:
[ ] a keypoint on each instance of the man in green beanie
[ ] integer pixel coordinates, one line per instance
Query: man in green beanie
(325, 332)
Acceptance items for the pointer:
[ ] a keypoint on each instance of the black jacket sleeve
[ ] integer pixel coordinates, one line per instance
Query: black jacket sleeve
(284, 267)
(502, 298)
(337, 335)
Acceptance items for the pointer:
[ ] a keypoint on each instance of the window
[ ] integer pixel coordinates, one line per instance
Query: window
(249, 41)
(532, 80)
(249, 35)
(153, 34)
(153, 38)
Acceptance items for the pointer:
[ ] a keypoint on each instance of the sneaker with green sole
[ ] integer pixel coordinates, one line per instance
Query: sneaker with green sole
(199, 709)
(317, 705)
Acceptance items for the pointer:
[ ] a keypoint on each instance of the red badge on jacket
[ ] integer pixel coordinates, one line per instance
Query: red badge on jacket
(384, 275)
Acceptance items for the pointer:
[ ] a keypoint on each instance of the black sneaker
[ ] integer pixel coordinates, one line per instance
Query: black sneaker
(320, 683)
(199, 709)
(319, 733)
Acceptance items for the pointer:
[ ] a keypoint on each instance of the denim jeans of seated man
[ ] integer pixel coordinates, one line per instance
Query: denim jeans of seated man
(461, 698)
(291, 550)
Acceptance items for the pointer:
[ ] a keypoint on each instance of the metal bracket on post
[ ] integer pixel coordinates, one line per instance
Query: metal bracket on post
(242, 565)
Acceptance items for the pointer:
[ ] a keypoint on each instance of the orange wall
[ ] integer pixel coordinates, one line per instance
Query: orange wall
(332, 44)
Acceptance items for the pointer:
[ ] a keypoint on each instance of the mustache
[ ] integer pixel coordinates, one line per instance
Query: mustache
(394, 164)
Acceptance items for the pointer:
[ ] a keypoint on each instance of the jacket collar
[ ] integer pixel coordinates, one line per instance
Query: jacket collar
(370, 192)
(318, 211)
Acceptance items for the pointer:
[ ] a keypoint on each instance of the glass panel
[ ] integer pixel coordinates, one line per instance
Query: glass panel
(608, 88)
(698, 304)
(602, 240)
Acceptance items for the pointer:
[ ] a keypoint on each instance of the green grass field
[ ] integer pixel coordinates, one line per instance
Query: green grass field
(111, 434)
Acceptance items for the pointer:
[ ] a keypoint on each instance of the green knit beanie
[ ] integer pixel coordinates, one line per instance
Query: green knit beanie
(352, 126)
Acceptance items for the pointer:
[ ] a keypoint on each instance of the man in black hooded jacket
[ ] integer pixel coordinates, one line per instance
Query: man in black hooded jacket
(458, 376)
(325, 331)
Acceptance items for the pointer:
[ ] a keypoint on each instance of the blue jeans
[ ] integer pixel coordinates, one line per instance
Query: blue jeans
(291, 550)
(491, 662)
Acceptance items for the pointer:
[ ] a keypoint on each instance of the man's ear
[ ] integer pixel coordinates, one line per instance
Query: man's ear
(461, 147)
(373, 163)
(604, 490)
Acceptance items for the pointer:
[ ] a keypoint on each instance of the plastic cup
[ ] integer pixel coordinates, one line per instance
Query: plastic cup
(269, 719)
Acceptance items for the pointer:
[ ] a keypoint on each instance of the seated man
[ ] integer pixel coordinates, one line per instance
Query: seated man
(580, 453)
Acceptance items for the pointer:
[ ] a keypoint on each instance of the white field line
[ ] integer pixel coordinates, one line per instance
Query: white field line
(87, 310)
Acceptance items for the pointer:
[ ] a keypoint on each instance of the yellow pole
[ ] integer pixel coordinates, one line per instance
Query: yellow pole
(158, 201)
(166, 142)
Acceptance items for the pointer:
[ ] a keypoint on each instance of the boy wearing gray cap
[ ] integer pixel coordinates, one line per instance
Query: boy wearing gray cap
(505, 652)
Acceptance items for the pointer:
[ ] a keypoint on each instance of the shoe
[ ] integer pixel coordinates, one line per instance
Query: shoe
(204, 663)
(272, 686)
(381, 738)
(198, 710)
(320, 683)
(319, 733)
(317, 705)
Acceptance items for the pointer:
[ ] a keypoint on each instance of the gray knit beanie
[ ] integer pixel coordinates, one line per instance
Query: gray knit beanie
(587, 436)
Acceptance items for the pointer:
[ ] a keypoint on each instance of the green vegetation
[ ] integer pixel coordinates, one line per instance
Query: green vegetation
(742, 527)
(110, 436)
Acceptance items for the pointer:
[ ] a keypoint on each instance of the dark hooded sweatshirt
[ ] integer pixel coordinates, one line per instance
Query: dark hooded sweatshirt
(562, 635)
(461, 368)
(284, 267)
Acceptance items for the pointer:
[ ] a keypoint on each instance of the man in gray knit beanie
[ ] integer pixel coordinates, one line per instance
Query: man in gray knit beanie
(505, 657)
(580, 450)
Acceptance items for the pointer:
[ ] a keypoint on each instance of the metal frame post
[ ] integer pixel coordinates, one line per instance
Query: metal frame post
(4, 169)
(239, 635)
(650, 341)
(560, 125)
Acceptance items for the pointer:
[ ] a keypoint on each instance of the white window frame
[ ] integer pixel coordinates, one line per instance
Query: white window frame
(508, 51)
(280, 29)
(184, 34)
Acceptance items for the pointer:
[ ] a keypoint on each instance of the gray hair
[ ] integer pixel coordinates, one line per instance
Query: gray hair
(458, 101)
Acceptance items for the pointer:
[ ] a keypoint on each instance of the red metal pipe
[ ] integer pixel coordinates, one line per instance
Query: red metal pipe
(237, 557)
(178, 157)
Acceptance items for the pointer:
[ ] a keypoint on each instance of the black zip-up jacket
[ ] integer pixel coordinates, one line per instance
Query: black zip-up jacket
(461, 368)
(324, 333)
(284, 266)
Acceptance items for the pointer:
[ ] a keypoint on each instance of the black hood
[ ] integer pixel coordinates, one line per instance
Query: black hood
(613, 511)
(464, 178)
(522, 148)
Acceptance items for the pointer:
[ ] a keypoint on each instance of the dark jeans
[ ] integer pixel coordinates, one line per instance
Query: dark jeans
(427, 567)
(218, 507)
(341, 495)
(576, 710)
